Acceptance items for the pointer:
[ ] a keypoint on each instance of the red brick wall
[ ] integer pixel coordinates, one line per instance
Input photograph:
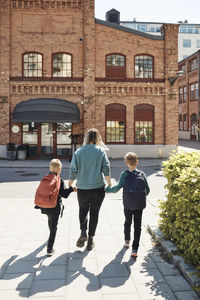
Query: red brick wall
(72, 29)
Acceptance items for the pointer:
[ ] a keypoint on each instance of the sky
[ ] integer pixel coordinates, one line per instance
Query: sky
(168, 11)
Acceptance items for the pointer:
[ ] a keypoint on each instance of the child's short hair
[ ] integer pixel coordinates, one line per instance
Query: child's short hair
(131, 158)
(55, 164)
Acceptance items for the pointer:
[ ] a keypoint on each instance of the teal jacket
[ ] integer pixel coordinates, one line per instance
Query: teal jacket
(89, 165)
(120, 184)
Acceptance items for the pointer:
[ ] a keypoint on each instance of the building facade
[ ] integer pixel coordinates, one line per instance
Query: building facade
(62, 71)
(189, 97)
(188, 36)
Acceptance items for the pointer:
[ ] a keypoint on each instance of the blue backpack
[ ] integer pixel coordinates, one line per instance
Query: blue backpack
(134, 195)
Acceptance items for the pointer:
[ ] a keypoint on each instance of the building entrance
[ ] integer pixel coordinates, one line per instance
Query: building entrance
(47, 139)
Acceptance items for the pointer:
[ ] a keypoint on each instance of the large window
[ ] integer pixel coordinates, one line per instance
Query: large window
(187, 43)
(180, 95)
(184, 122)
(180, 123)
(143, 66)
(144, 124)
(194, 92)
(184, 94)
(32, 65)
(194, 124)
(115, 66)
(62, 65)
(115, 123)
(198, 43)
(64, 131)
(30, 137)
(193, 65)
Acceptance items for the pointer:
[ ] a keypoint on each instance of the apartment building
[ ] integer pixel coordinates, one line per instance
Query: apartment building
(189, 98)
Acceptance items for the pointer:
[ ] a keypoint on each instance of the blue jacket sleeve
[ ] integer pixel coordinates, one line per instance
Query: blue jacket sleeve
(118, 186)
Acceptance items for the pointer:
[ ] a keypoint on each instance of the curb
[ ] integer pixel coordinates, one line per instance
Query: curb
(186, 269)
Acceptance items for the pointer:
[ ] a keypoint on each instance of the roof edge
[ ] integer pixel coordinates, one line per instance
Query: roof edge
(128, 30)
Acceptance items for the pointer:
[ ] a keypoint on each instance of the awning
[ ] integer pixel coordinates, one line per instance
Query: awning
(46, 110)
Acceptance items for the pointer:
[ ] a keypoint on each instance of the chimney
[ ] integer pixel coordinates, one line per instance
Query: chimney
(113, 16)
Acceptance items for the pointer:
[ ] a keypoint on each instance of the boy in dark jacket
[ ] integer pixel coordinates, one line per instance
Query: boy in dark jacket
(48, 198)
(135, 190)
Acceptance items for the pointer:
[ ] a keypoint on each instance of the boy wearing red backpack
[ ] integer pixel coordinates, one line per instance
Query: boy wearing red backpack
(48, 198)
(135, 190)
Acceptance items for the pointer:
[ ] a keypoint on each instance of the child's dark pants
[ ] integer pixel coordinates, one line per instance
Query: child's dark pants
(52, 223)
(136, 216)
(90, 201)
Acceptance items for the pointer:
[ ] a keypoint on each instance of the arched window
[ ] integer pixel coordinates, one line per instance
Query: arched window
(144, 124)
(115, 66)
(62, 65)
(115, 123)
(32, 64)
(143, 66)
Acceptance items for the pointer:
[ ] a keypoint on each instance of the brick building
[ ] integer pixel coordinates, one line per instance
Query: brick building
(189, 97)
(62, 71)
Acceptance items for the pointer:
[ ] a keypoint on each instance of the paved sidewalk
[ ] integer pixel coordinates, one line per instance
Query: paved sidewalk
(105, 273)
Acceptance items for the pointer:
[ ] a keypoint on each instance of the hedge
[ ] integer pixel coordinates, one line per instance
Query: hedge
(180, 213)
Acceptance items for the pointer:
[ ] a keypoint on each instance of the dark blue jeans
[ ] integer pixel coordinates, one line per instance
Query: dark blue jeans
(136, 216)
(90, 202)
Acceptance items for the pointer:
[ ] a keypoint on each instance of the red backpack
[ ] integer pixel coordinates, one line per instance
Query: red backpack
(47, 192)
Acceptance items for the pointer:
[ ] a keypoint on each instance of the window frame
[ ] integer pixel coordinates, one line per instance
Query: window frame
(115, 119)
(193, 64)
(180, 94)
(184, 122)
(194, 91)
(187, 43)
(137, 119)
(32, 77)
(113, 67)
(180, 122)
(144, 78)
(58, 77)
(184, 94)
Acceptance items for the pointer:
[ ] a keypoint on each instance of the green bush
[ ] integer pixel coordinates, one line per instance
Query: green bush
(180, 213)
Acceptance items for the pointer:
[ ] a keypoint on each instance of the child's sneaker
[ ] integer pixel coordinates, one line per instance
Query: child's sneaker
(134, 253)
(126, 245)
(50, 252)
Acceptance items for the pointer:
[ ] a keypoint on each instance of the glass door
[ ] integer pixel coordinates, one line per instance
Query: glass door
(47, 138)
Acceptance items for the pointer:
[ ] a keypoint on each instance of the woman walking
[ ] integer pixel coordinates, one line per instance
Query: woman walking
(89, 166)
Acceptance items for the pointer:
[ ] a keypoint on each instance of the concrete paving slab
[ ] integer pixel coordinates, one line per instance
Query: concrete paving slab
(156, 291)
(117, 285)
(51, 272)
(177, 283)
(14, 294)
(167, 268)
(105, 273)
(187, 295)
(48, 288)
(16, 281)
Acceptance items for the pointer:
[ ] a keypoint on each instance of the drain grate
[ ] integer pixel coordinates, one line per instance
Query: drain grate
(20, 172)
